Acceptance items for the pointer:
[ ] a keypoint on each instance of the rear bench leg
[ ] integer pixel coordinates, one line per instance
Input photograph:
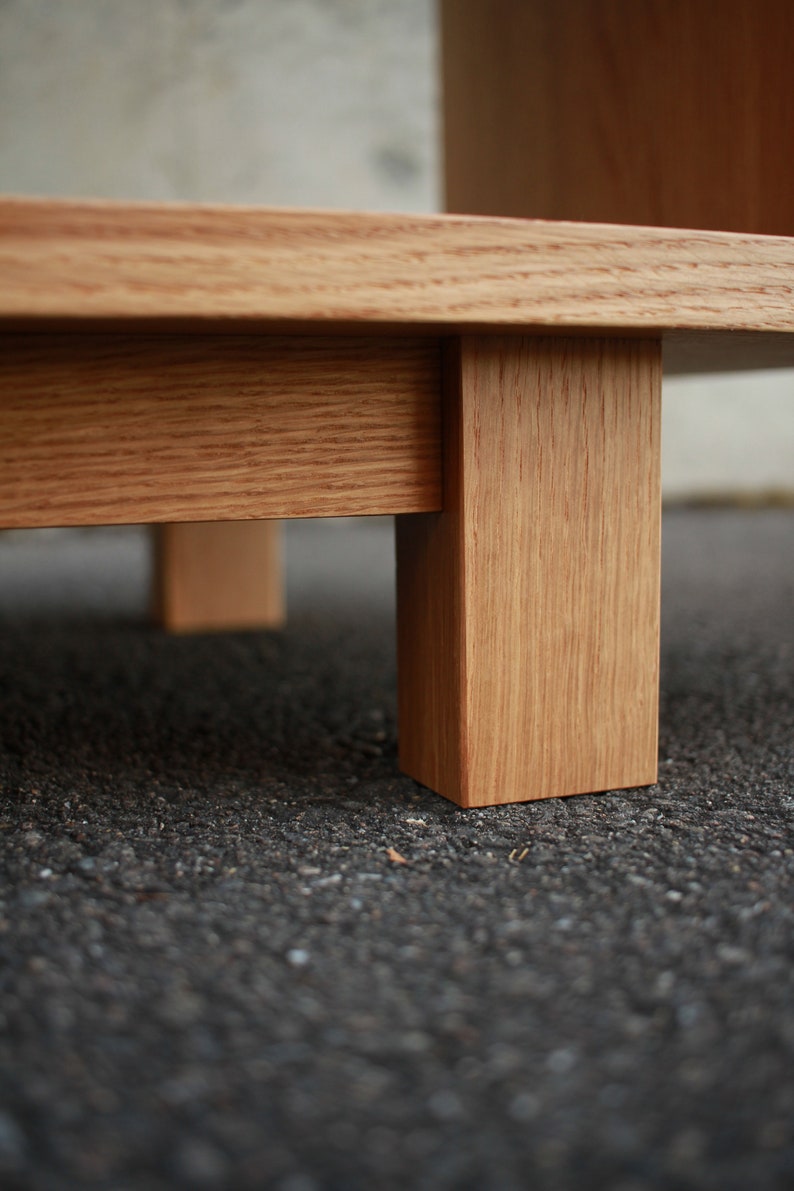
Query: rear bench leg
(218, 575)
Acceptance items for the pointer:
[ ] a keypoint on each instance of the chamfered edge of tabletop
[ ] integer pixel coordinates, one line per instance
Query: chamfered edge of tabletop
(148, 266)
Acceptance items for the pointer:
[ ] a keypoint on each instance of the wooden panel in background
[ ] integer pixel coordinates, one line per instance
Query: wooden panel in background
(667, 112)
(528, 611)
(107, 429)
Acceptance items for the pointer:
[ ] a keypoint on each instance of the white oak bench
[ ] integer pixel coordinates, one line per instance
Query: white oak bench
(495, 383)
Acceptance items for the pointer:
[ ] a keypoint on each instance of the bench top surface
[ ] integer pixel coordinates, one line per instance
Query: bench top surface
(719, 299)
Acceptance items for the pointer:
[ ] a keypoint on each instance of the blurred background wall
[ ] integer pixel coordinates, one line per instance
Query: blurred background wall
(330, 103)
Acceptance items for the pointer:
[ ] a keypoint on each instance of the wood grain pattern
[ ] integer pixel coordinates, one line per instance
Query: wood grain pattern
(196, 268)
(211, 576)
(662, 112)
(528, 610)
(431, 616)
(101, 429)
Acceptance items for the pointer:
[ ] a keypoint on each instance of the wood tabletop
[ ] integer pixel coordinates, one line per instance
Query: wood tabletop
(718, 299)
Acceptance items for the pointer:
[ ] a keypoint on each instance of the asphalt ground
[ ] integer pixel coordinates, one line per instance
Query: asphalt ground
(214, 976)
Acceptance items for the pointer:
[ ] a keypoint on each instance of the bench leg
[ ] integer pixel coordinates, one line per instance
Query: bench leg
(528, 611)
(218, 575)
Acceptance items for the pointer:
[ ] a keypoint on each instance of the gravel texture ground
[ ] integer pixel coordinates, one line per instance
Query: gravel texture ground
(215, 977)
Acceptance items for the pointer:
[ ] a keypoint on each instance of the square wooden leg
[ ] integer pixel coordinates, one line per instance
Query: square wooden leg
(528, 611)
(218, 575)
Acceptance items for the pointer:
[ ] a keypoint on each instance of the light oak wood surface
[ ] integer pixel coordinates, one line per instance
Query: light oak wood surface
(156, 366)
(104, 428)
(193, 267)
(528, 611)
(212, 576)
(671, 112)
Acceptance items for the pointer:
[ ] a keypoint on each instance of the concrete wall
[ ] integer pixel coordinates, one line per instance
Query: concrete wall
(729, 436)
(309, 102)
(313, 102)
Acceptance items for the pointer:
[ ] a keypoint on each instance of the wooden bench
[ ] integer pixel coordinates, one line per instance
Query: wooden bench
(495, 383)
